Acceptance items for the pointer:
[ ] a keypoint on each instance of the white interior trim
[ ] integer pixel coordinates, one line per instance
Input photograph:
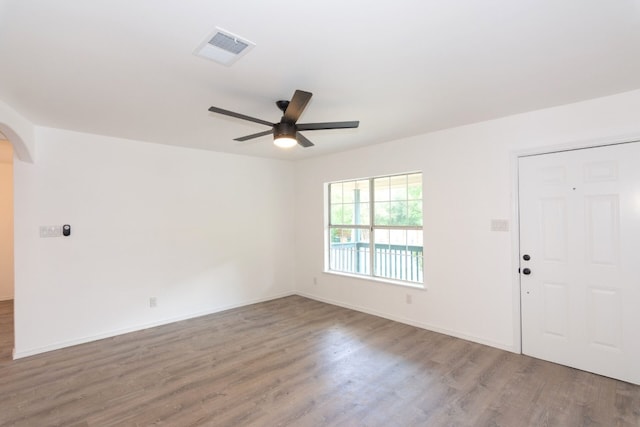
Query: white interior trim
(406, 321)
(116, 332)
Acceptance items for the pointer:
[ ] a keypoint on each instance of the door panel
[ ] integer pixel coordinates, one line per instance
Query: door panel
(554, 233)
(602, 214)
(556, 304)
(604, 320)
(580, 224)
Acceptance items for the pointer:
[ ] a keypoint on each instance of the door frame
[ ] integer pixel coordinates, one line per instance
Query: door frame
(514, 156)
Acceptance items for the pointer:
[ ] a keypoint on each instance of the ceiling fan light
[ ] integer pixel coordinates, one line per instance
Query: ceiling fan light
(285, 142)
(284, 134)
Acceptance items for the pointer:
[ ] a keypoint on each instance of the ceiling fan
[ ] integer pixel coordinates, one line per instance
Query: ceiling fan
(286, 133)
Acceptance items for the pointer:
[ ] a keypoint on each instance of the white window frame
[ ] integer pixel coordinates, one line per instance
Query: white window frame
(371, 228)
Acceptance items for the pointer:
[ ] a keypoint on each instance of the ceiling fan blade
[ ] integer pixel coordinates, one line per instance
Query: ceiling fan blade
(296, 106)
(255, 135)
(239, 116)
(328, 125)
(303, 141)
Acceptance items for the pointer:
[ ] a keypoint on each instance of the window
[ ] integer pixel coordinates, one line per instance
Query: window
(375, 227)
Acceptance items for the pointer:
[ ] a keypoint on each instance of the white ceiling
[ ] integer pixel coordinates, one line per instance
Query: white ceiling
(402, 67)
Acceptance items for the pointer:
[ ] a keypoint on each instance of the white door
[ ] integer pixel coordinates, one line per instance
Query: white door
(580, 230)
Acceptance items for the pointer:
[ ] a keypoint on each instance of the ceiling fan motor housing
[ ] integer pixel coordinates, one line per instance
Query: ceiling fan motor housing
(282, 105)
(284, 130)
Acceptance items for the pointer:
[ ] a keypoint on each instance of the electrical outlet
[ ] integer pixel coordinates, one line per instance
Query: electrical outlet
(153, 302)
(409, 299)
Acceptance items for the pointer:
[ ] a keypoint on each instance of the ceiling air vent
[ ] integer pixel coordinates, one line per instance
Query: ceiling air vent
(224, 47)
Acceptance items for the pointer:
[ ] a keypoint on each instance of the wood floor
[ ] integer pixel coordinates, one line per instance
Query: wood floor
(299, 362)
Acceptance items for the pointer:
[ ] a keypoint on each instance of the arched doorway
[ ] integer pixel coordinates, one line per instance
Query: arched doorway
(6, 249)
(18, 135)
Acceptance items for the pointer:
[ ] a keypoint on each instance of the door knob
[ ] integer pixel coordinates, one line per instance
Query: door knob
(526, 271)
(526, 257)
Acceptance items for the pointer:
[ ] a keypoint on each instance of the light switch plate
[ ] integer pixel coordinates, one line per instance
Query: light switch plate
(499, 225)
(50, 230)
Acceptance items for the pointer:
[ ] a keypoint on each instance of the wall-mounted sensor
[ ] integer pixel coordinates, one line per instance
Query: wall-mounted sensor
(66, 230)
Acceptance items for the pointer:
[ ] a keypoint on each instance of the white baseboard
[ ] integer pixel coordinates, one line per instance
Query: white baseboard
(19, 354)
(411, 322)
(63, 344)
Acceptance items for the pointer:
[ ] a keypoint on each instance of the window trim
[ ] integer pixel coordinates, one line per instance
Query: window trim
(371, 227)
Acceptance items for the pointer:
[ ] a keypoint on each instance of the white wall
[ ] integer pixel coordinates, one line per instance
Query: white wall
(204, 231)
(6, 220)
(469, 172)
(201, 231)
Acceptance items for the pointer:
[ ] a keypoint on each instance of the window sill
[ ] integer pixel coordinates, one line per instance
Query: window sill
(412, 285)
